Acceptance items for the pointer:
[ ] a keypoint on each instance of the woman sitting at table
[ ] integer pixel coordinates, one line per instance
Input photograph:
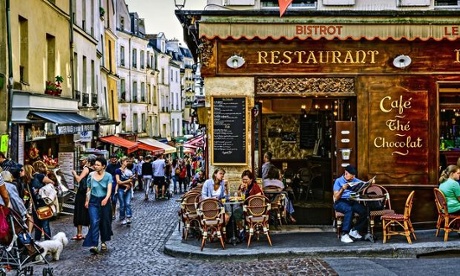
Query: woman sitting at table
(216, 187)
(273, 182)
(450, 188)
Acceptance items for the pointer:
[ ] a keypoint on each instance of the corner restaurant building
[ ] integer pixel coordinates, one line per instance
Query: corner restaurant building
(377, 84)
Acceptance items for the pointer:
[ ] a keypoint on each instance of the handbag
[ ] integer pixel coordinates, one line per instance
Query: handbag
(44, 212)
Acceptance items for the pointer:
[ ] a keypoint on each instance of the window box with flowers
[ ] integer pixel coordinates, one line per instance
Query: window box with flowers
(54, 88)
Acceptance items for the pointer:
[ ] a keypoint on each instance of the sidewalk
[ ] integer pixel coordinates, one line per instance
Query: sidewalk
(316, 242)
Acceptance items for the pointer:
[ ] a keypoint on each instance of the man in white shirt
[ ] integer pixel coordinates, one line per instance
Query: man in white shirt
(159, 175)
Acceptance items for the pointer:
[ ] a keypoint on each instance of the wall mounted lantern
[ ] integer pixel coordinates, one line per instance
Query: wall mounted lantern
(235, 61)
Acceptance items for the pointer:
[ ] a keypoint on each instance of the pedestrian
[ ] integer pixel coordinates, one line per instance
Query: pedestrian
(267, 164)
(27, 176)
(5, 163)
(138, 172)
(147, 175)
(125, 182)
(99, 207)
(183, 177)
(111, 168)
(80, 214)
(159, 176)
(175, 174)
(39, 181)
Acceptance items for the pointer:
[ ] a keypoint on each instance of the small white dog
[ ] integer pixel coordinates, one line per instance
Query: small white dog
(53, 246)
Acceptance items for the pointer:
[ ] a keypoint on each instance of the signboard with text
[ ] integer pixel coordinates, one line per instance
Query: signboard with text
(229, 131)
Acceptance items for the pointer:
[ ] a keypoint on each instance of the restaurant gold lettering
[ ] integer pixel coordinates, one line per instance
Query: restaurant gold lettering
(398, 125)
(317, 57)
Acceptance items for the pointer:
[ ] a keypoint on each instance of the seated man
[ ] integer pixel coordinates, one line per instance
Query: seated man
(343, 204)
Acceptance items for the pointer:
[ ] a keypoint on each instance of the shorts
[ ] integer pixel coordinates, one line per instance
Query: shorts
(159, 181)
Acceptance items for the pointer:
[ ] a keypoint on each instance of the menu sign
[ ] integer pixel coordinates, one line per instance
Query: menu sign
(229, 131)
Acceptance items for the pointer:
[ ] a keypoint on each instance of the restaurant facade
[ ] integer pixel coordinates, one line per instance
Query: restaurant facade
(325, 89)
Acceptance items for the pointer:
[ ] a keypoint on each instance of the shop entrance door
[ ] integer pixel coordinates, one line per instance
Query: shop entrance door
(299, 132)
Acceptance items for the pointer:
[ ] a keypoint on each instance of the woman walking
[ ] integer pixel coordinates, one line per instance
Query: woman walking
(124, 178)
(99, 207)
(80, 213)
(39, 181)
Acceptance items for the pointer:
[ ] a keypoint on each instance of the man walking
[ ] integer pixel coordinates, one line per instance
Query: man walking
(159, 176)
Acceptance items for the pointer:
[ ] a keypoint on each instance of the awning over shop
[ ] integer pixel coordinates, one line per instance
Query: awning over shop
(325, 30)
(152, 142)
(66, 122)
(153, 149)
(195, 142)
(118, 141)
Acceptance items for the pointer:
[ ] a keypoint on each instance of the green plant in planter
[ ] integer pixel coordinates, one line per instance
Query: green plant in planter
(101, 11)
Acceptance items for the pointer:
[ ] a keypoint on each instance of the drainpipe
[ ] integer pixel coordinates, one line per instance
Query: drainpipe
(71, 45)
(10, 77)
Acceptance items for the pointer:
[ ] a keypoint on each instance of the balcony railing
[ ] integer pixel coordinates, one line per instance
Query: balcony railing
(94, 100)
(85, 101)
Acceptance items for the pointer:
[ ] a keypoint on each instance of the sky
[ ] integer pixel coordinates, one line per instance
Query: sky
(159, 15)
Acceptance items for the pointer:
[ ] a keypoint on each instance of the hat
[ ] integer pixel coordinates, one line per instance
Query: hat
(113, 156)
(351, 170)
(82, 158)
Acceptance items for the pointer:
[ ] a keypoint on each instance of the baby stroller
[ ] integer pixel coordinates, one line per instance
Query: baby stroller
(17, 249)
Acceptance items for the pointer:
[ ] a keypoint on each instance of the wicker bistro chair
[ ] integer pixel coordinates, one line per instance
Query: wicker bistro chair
(390, 221)
(379, 190)
(450, 221)
(211, 213)
(277, 204)
(257, 216)
(189, 215)
(339, 221)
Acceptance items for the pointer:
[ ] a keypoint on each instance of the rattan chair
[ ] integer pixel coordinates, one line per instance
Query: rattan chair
(188, 214)
(392, 221)
(338, 221)
(278, 204)
(449, 220)
(257, 216)
(211, 213)
(379, 190)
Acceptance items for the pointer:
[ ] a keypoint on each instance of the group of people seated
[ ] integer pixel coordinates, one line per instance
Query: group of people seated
(217, 187)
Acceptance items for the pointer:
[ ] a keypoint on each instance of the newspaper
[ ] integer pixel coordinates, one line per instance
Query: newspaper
(358, 187)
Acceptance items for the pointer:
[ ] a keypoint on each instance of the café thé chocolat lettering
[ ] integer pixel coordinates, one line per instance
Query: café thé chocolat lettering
(316, 57)
(397, 125)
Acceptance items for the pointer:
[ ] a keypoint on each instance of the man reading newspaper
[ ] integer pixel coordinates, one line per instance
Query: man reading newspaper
(344, 186)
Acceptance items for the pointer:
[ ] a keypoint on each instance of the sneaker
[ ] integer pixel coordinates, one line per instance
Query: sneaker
(128, 221)
(114, 217)
(103, 246)
(346, 239)
(355, 234)
(124, 222)
(94, 250)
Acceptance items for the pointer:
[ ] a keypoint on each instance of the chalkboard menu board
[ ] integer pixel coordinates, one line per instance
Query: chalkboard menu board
(308, 132)
(229, 131)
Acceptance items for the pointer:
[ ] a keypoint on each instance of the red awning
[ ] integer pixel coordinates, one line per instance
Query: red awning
(153, 149)
(118, 141)
(195, 142)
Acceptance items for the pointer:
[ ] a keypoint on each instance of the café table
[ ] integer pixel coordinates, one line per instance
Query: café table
(232, 202)
(365, 199)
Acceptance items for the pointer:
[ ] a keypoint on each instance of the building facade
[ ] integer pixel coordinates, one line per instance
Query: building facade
(329, 84)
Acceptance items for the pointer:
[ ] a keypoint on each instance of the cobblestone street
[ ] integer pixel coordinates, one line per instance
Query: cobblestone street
(138, 250)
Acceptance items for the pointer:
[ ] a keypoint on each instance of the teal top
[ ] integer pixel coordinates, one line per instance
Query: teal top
(99, 188)
(451, 190)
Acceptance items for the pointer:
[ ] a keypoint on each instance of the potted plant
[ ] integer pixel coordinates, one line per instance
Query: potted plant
(101, 12)
(50, 88)
(59, 79)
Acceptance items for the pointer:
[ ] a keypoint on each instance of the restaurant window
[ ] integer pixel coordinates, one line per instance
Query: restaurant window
(24, 50)
(122, 55)
(294, 4)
